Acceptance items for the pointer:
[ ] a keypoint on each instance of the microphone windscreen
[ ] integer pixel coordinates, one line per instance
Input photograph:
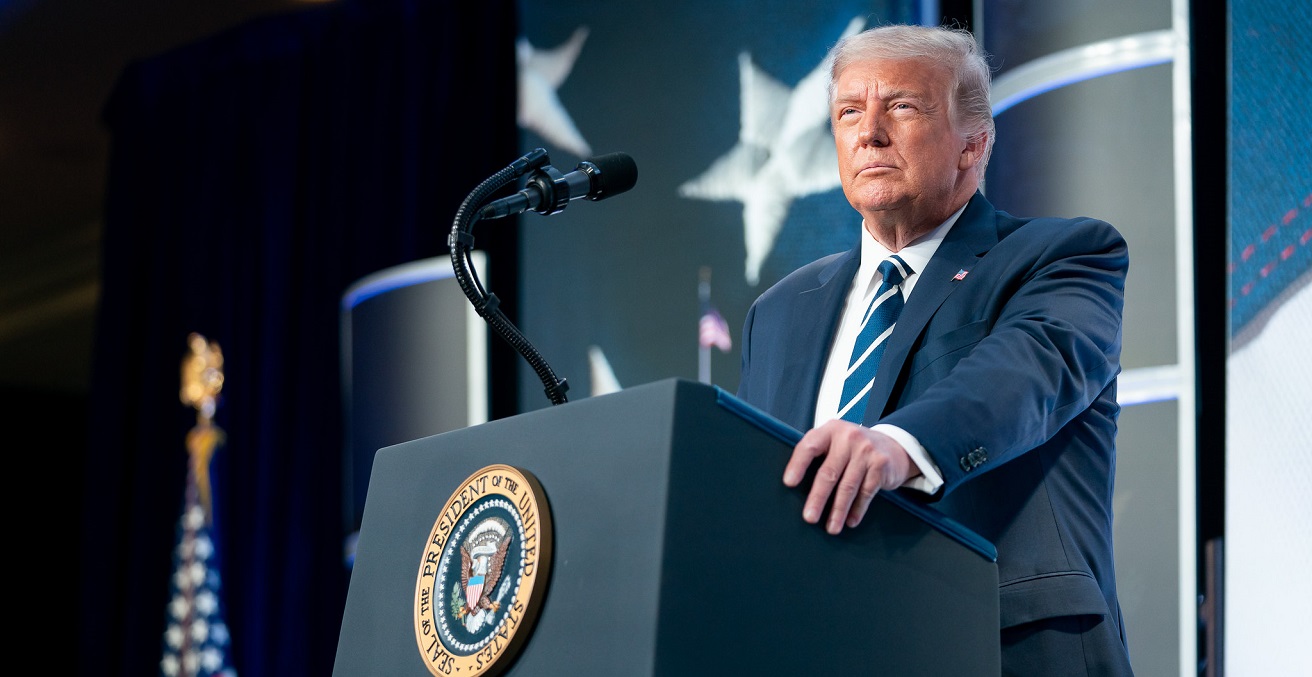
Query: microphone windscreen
(617, 173)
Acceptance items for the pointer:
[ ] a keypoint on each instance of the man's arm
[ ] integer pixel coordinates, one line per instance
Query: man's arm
(1053, 348)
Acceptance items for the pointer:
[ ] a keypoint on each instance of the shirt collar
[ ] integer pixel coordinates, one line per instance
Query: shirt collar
(916, 254)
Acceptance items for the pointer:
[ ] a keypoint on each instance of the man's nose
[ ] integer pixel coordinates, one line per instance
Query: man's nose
(872, 131)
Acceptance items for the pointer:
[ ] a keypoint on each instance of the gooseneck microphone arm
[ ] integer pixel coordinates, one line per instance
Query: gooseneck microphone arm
(461, 242)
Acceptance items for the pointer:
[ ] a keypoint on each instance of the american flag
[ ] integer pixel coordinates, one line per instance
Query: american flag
(196, 638)
(714, 331)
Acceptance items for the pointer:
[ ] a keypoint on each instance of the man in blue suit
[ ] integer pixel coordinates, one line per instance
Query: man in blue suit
(994, 394)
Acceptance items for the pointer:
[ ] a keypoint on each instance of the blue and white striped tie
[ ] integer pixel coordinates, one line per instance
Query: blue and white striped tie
(876, 327)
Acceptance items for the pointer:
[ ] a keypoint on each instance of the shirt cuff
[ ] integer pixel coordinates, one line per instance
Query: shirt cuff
(930, 478)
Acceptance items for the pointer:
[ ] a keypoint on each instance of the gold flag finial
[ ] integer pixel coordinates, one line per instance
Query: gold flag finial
(202, 375)
(202, 379)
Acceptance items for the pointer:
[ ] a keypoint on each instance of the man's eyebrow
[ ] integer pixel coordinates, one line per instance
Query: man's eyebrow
(852, 95)
(903, 94)
(849, 95)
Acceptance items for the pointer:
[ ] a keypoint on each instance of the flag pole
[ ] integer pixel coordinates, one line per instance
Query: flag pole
(704, 351)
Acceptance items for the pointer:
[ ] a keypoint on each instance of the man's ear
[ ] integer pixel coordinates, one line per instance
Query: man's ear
(973, 151)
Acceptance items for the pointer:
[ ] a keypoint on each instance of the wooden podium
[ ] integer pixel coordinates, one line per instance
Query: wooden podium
(677, 550)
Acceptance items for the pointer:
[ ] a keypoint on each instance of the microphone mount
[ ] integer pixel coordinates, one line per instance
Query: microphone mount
(461, 243)
(551, 182)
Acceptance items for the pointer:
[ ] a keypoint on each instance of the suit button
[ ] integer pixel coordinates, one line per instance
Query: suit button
(974, 459)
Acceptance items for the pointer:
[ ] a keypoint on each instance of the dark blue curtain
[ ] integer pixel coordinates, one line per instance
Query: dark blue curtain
(253, 177)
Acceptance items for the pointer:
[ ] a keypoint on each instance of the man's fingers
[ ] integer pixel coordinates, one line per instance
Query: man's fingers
(855, 468)
(847, 495)
(869, 487)
(827, 477)
(814, 443)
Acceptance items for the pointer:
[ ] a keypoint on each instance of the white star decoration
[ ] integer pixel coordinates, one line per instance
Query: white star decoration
(603, 377)
(541, 73)
(173, 635)
(785, 151)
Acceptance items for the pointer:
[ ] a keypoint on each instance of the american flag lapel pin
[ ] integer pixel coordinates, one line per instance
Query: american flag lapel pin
(961, 275)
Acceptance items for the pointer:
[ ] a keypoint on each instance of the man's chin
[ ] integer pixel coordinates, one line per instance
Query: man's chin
(874, 202)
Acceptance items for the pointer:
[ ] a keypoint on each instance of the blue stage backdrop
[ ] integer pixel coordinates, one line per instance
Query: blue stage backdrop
(1268, 375)
(722, 106)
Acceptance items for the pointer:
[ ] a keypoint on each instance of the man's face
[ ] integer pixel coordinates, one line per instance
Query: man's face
(897, 146)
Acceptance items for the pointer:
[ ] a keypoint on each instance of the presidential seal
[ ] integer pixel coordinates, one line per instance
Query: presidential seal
(483, 573)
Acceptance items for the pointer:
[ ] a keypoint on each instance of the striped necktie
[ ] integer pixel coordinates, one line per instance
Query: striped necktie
(876, 327)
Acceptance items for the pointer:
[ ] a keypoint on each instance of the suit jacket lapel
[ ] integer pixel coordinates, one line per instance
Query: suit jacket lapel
(974, 234)
(816, 311)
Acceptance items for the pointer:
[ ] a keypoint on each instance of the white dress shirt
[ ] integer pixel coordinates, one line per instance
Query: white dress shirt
(864, 286)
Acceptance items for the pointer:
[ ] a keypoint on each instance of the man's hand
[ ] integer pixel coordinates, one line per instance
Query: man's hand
(858, 462)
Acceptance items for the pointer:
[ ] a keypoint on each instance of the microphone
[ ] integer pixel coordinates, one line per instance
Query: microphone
(548, 191)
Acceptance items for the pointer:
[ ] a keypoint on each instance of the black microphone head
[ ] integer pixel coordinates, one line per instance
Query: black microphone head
(612, 174)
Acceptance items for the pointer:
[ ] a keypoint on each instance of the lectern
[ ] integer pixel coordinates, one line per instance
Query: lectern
(671, 545)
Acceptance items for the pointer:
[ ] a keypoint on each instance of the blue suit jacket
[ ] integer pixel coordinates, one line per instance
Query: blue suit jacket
(1003, 365)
